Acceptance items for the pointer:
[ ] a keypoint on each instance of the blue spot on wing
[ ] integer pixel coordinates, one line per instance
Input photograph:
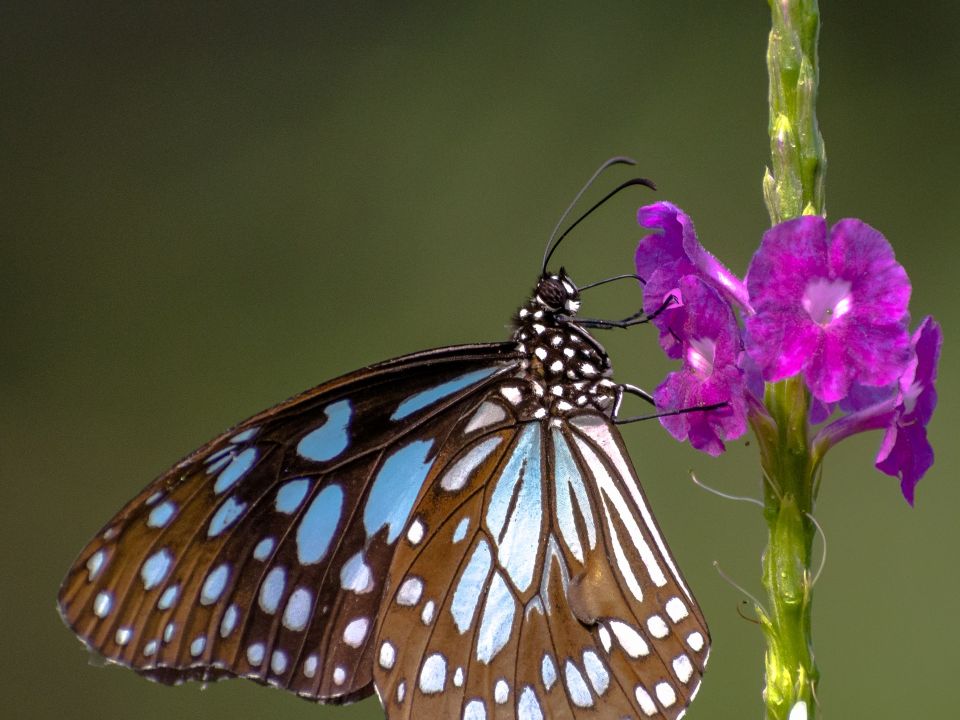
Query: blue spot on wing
(225, 516)
(396, 487)
(319, 524)
(235, 470)
(525, 453)
(155, 568)
(568, 477)
(438, 392)
(331, 438)
(471, 587)
(514, 535)
(291, 495)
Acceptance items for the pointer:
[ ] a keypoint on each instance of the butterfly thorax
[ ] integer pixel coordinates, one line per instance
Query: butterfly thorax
(566, 368)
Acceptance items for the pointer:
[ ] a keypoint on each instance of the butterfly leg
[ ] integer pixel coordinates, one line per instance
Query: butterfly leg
(638, 318)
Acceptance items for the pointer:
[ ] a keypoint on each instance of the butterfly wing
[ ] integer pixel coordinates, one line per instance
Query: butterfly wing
(542, 587)
(264, 553)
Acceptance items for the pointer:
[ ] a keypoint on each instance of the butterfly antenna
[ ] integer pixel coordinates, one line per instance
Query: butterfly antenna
(598, 283)
(618, 160)
(622, 186)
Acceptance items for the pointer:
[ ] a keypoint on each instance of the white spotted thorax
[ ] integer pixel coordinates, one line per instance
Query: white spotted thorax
(566, 368)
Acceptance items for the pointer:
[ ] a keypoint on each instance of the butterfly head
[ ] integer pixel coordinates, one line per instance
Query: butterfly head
(557, 293)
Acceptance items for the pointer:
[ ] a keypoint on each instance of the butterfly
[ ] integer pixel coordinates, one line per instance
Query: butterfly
(460, 530)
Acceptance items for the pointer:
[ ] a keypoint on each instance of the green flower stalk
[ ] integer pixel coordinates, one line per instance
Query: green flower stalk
(821, 350)
(794, 183)
(793, 186)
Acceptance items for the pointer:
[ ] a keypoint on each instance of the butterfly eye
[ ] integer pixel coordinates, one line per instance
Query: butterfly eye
(553, 293)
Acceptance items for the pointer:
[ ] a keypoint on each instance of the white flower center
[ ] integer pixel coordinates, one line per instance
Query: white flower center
(827, 300)
(700, 356)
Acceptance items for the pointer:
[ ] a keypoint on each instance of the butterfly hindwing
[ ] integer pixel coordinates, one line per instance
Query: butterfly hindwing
(264, 553)
(541, 589)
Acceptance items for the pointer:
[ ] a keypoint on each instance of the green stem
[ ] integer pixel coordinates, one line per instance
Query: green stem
(789, 470)
(793, 185)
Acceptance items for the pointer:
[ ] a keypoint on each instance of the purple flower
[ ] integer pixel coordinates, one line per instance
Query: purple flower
(709, 339)
(902, 413)
(833, 307)
(905, 451)
(666, 256)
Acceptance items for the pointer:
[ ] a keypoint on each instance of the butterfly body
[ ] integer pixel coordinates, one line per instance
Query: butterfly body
(460, 530)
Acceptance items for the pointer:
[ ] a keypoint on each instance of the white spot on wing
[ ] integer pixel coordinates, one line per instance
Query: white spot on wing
(475, 710)
(433, 674)
(605, 638)
(695, 641)
(426, 617)
(631, 641)
(512, 394)
(665, 694)
(278, 662)
(646, 702)
(576, 686)
(456, 477)
(487, 414)
(356, 631)
(388, 655)
(355, 575)
(683, 668)
(596, 672)
(102, 604)
(197, 646)
(415, 533)
(528, 707)
(548, 671)
(410, 591)
(95, 564)
(255, 653)
(676, 609)
(657, 626)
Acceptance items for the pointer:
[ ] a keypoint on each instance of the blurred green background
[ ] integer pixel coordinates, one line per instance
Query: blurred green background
(208, 207)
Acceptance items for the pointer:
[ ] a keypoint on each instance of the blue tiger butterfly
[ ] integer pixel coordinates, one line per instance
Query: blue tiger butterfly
(460, 530)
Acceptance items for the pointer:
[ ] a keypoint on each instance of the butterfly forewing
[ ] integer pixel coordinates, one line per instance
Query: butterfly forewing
(264, 553)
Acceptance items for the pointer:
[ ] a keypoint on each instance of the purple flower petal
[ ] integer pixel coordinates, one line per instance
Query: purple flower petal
(863, 396)
(830, 306)
(710, 342)
(905, 451)
(663, 258)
